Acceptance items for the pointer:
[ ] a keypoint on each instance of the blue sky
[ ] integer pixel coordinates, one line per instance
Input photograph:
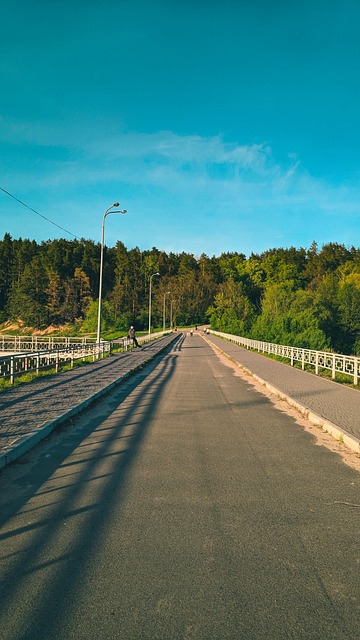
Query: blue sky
(220, 125)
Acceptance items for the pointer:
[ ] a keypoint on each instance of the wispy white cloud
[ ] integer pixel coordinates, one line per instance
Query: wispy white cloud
(165, 173)
(75, 156)
(163, 146)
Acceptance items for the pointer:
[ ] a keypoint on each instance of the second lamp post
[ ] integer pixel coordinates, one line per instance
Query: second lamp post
(151, 277)
(165, 294)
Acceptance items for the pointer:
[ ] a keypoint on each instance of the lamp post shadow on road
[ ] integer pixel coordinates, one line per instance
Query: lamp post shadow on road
(107, 212)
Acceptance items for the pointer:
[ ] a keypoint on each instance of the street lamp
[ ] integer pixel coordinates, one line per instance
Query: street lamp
(171, 313)
(107, 212)
(151, 277)
(165, 294)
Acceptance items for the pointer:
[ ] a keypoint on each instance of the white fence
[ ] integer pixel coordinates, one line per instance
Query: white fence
(39, 343)
(334, 362)
(18, 364)
(48, 356)
(51, 343)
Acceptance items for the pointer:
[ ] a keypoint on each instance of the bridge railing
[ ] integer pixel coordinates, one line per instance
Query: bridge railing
(16, 364)
(40, 343)
(334, 362)
(51, 343)
(127, 343)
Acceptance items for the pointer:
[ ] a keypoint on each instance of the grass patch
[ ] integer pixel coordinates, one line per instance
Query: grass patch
(25, 378)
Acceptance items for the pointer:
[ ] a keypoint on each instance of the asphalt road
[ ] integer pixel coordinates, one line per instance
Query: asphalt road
(181, 506)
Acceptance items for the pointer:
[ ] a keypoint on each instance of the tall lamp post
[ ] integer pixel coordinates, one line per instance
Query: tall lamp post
(151, 277)
(165, 294)
(107, 212)
(171, 313)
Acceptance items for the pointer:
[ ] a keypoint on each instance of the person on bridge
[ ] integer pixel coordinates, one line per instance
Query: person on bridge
(133, 337)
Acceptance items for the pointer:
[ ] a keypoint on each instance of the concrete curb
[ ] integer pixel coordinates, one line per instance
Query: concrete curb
(350, 441)
(25, 443)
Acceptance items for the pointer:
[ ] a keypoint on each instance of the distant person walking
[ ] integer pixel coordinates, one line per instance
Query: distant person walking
(133, 337)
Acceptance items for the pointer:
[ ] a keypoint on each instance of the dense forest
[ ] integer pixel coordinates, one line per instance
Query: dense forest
(301, 297)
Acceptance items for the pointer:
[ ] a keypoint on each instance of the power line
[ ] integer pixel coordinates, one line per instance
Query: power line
(38, 214)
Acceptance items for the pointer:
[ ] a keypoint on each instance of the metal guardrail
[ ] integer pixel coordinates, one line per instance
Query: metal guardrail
(17, 364)
(334, 362)
(39, 343)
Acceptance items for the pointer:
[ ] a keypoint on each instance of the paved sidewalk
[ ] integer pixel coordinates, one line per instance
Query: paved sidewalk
(326, 403)
(31, 411)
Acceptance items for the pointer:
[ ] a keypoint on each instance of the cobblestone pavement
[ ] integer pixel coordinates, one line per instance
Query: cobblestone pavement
(29, 407)
(330, 400)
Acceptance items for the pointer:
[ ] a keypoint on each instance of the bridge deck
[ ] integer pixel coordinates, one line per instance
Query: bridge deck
(29, 412)
(330, 401)
(183, 505)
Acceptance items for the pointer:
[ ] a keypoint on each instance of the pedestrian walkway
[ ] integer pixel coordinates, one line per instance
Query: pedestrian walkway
(329, 404)
(31, 411)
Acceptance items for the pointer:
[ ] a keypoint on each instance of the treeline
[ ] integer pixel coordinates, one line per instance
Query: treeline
(308, 298)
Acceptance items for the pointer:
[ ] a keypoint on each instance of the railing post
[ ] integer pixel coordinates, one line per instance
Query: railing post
(292, 356)
(333, 367)
(57, 362)
(11, 369)
(37, 364)
(316, 362)
(356, 363)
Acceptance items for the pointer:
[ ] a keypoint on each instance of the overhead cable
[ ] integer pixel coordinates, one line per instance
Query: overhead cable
(39, 214)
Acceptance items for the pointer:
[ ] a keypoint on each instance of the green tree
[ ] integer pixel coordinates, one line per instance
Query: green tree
(54, 296)
(232, 312)
(6, 268)
(28, 299)
(349, 316)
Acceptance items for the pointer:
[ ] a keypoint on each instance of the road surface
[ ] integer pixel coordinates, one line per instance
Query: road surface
(183, 505)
